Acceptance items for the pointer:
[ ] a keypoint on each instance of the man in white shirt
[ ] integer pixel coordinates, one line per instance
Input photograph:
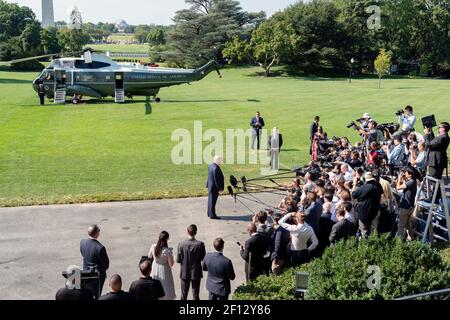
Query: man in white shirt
(301, 234)
(346, 171)
(407, 120)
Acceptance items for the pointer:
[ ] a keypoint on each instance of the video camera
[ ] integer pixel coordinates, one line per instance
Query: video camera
(389, 127)
(89, 279)
(352, 125)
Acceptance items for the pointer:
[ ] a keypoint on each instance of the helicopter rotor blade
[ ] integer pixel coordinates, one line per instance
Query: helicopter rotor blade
(8, 63)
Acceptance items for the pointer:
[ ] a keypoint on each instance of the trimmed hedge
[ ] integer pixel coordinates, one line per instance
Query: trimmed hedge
(342, 272)
(270, 288)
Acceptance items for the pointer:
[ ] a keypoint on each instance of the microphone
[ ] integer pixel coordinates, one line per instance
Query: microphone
(233, 181)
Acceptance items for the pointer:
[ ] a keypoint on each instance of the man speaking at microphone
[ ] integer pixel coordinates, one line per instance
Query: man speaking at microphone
(215, 185)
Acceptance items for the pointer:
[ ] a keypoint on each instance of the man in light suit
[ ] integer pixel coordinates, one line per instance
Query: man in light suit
(215, 185)
(437, 150)
(257, 123)
(190, 255)
(220, 272)
(94, 256)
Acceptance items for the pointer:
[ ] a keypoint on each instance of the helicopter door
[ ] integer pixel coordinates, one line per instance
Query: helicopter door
(60, 86)
(119, 87)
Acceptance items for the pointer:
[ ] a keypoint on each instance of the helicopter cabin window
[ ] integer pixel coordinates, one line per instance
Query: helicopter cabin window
(80, 64)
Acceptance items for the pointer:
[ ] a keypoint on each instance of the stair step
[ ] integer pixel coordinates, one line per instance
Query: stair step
(120, 96)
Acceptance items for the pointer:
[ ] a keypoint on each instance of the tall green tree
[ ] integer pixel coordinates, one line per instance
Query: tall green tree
(270, 42)
(205, 25)
(49, 40)
(72, 40)
(323, 43)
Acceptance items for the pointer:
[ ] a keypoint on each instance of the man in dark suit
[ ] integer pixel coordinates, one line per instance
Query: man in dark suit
(190, 255)
(254, 253)
(220, 272)
(313, 130)
(116, 293)
(279, 244)
(326, 224)
(257, 123)
(215, 185)
(146, 288)
(343, 229)
(94, 256)
(368, 206)
(437, 150)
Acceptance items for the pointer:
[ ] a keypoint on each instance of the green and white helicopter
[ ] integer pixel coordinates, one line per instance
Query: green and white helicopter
(97, 75)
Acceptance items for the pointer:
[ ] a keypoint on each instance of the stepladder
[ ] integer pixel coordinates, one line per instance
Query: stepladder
(431, 213)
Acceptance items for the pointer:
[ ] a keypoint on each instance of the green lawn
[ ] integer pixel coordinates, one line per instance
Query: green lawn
(103, 151)
(122, 48)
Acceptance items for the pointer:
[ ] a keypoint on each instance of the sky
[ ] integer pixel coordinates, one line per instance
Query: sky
(137, 11)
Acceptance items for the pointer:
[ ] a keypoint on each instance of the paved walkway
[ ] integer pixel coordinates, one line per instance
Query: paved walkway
(38, 243)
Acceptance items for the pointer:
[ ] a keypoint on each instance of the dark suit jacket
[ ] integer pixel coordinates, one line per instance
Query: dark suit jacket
(280, 243)
(369, 197)
(254, 251)
(190, 255)
(220, 272)
(313, 130)
(313, 213)
(280, 141)
(94, 255)
(215, 181)
(147, 289)
(254, 121)
(116, 296)
(437, 150)
(65, 294)
(343, 229)
(326, 224)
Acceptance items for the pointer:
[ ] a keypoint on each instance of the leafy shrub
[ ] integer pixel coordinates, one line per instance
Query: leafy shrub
(342, 272)
(270, 288)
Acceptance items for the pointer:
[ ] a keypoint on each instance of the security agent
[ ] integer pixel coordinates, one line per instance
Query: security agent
(257, 123)
(406, 119)
(41, 93)
(436, 155)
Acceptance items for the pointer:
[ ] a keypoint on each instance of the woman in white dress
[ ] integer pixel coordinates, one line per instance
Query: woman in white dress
(162, 265)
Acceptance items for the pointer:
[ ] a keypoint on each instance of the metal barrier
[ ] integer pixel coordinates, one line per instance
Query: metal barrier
(443, 294)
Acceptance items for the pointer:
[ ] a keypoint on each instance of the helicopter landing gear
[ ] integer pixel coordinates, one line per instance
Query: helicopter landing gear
(157, 100)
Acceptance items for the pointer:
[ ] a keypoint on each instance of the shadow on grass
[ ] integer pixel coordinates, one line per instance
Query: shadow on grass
(14, 81)
(211, 100)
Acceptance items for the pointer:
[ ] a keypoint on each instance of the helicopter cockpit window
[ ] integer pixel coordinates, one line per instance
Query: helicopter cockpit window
(47, 75)
(80, 64)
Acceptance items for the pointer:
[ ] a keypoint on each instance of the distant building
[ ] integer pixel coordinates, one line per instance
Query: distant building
(121, 26)
(48, 16)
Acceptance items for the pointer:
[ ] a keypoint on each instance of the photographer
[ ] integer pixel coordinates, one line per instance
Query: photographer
(408, 185)
(396, 156)
(371, 134)
(437, 150)
(417, 157)
(406, 119)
